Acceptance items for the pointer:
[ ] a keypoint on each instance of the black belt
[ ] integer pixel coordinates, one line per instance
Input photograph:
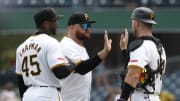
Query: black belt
(59, 89)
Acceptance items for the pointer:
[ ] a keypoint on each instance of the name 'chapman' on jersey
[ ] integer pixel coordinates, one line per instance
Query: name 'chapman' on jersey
(31, 46)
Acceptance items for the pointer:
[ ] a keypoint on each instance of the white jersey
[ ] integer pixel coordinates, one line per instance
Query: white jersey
(75, 87)
(147, 54)
(35, 59)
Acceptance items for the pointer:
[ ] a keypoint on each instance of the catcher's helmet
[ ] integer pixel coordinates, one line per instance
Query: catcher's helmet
(143, 14)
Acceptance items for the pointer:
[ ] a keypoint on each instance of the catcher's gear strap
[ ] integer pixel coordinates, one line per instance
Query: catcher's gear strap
(127, 90)
(135, 44)
(139, 41)
(22, 87)
(88, 65)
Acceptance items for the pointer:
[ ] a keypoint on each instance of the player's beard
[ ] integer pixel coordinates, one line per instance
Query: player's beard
(134, 30)
(81, 36)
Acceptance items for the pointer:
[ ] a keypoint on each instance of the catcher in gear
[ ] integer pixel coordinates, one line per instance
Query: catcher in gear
(145, 59)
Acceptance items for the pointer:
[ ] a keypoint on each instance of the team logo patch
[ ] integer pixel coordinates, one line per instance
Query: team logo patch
(133, 61)
(152, 16)
(60, 58)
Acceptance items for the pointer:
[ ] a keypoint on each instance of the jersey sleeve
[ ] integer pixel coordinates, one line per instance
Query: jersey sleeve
(73, 54)
(138, 58)
(54, 54)
(18, 65)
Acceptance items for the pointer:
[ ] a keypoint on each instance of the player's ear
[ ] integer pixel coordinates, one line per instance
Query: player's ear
(45, 24)
(71, 26)
(137, 23)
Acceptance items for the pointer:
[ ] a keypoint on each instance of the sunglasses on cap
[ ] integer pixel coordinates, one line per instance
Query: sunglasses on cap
(85, 26)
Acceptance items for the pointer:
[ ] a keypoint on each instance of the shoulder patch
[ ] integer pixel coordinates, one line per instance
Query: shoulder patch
(135, 44)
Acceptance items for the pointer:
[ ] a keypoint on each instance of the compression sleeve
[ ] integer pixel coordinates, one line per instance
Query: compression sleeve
(87, 65)
(63, 71)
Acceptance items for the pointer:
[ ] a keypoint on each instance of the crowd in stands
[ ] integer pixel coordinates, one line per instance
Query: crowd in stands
(87, 3)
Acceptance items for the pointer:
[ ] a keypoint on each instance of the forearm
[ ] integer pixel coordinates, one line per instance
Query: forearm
(133, 75)
(63, 71)
(82, 68)
(102, 54)
(130, 82)
(127, 89)
(88, 65)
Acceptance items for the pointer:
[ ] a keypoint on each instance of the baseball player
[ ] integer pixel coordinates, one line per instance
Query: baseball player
(146, 60)
(77, 87)
(40, 63)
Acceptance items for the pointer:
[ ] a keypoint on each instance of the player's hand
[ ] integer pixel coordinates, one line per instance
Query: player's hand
(107, 46)
(124, 40)
(107, 42)
(70, 62)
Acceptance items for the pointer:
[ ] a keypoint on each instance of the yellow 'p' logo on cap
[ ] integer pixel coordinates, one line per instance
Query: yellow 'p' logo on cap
(86, 16)
(152, 15)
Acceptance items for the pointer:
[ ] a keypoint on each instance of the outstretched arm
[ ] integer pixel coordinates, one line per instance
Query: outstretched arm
(90, 64)
(123, 45)
(62, 71)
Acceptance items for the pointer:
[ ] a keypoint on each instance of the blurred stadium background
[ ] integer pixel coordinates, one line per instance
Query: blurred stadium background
(16, 24)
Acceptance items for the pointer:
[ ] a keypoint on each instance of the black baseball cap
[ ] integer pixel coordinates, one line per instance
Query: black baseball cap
(144, 14)
(79, 18)
(46, 14)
